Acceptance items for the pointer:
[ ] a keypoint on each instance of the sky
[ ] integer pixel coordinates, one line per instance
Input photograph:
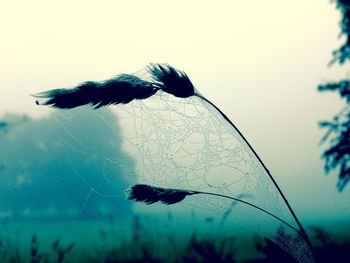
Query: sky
(259, 61)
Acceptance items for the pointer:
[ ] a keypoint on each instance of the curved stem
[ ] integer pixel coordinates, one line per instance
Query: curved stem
(250, 204)
(302, 230)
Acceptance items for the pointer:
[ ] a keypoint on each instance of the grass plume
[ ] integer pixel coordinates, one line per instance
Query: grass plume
(121, 89)
(150, 194)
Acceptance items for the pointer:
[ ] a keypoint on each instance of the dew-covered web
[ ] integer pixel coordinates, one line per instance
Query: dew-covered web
(186, 144)
(96, 167)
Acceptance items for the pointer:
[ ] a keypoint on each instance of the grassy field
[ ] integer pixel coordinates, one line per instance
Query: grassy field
(141, 239)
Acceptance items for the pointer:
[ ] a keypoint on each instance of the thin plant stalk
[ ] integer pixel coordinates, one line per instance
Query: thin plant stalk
(302, 230)
(252, 205)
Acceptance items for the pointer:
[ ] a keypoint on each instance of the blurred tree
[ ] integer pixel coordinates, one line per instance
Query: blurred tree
(337, 155)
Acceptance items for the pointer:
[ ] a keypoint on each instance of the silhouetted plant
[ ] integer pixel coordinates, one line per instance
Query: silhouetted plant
(327, 249)
(206, 251)
(321, 236)
(271, 252)
(150, 194)
(35, 256)
(343, 53)
(193, 250)
(61, 251)
(125, 88)
(337, 156)
(9, 252)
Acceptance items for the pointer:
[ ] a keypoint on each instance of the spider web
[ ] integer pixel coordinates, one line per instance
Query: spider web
(187, 144)
(95, 160)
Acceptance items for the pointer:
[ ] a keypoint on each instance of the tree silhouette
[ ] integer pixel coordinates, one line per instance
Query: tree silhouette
(337, 155)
